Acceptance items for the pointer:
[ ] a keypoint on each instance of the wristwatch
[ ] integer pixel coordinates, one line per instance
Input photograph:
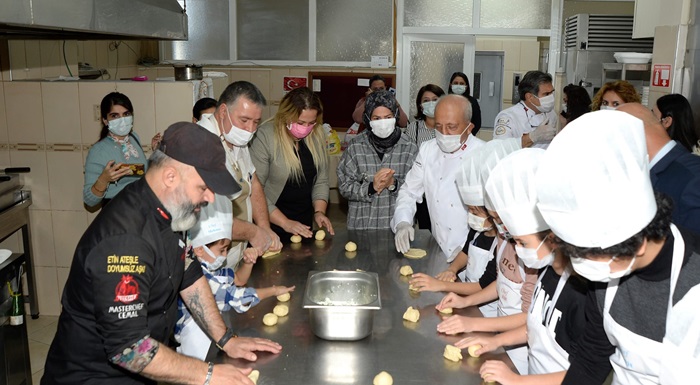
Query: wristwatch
(392, 187)
(227, 336)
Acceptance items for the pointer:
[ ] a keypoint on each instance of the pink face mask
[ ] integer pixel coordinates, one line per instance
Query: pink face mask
(300, 131)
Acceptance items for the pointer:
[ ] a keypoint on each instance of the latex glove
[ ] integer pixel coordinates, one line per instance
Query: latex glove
(543, 133)
(404, 236)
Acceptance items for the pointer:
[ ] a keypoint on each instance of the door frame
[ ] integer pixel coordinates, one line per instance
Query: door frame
(502, 72)
(404, 59)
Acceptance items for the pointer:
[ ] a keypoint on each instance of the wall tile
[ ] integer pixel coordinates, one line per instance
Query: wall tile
(174, 101)
(241, 74)
(529, 55)
(91, 216)
(68, 227)
(51, 60)
(33, 58)
(25, 118)
(65, 169)
(42, 238)
(18, 61)
(166, 73)
(87, 51)
(13, 242)
(480, 44)
(5, 158)
(142, 97)
(220, 85)
(38, 179)
(90, 96)
(508, 84)
(150, 72)
(4, 138)
(493, 45)
(263, 80)
(276, 79)
(62, 275)
(61, 112)
(47, 290)
(512, 54)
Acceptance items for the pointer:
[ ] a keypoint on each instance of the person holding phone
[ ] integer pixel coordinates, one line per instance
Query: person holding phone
(117, 157)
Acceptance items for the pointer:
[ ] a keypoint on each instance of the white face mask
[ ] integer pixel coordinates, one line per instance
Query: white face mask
(458, 88)
(502, 230)
(546, 103)
(563, 107)
(121, 126)
(429, 108)
(530, 258)
(477, 223)
(206, 116)
(610, 108)
(450, 143)
(237, 136)
(599, 271)
(382, 128)
(218, 260)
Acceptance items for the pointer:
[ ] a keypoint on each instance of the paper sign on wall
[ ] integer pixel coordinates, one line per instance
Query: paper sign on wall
(380, 62)
(661, 75)
(292, 82)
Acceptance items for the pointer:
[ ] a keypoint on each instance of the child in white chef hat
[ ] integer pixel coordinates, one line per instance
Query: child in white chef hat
(211, 240)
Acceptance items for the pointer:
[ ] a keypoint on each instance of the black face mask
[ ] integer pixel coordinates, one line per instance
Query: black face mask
(383, 145)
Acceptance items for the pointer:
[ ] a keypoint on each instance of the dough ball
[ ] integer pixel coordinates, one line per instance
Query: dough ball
(270, 254)
(281, 310)
(350, 246)
(270, 319)
(415, 253)
(295, 239)
(447, 310)
(254, 375)
(452, 353)
(383, 378)
(411, 314)
(472, 350)
(412, 288)
(350, 254)
(406, 270)
(284, 297)
(487, 380)
(320, 235)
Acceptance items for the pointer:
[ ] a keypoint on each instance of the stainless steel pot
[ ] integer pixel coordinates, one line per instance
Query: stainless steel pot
(188, 72)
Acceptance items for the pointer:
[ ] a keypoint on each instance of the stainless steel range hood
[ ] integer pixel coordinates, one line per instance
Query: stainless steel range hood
(92, 19)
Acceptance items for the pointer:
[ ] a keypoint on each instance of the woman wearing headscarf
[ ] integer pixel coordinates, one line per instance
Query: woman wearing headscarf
(375, 164)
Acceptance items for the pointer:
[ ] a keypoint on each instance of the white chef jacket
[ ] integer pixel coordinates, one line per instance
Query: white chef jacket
(433, 174)
(518, 120)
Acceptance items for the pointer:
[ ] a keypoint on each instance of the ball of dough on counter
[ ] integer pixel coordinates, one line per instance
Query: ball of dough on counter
(487, 380)
(270, 254)
(284, 297)
(351, 246)
(350, 254)
(383, 378)
(452, 353)
(472, 350)
(415, 253)
(254, 375)
(447, 310)
(320, 235)
(406, 270)
(295, 238)
(412, 288)
(281, 310)
(411, 314)
(270, 319)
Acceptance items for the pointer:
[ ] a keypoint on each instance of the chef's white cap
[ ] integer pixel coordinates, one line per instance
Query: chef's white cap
(593, 182)
(215, 222)
(468, 177)
(497, 150)
(511, 188)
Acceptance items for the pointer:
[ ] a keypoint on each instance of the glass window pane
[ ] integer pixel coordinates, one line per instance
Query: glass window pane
(534, 14)
(208, 36)
(433, 63)
(438, 13)
(353, 30)
(272, 29)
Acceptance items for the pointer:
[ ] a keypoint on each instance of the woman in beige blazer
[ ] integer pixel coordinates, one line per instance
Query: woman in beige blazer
(291, 160)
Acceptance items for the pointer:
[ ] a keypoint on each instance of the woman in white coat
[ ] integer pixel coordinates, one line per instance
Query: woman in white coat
(555, 320)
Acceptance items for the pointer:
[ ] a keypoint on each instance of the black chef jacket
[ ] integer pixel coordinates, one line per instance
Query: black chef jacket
(124, 281)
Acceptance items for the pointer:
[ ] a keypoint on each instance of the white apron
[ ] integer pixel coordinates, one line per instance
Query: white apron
(476, 265)
(510, 302)
(681, 341)
(193, 341)
(546, 355)
(637, 359)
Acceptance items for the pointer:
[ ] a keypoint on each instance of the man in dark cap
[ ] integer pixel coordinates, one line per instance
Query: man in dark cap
(120, 300)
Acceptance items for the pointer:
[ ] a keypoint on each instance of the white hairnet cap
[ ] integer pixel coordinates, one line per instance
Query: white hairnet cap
(215, 222)
(497, 150)
(593, 182)
(511, 188)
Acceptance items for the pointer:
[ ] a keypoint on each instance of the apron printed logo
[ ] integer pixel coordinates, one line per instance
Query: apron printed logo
(127, 290)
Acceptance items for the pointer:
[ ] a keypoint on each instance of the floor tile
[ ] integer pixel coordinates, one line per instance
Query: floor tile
(34, 325)
(44, 335)
(37, 355)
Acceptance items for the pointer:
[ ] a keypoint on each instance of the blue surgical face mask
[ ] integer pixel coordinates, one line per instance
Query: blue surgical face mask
(218, 260)
(121, 126)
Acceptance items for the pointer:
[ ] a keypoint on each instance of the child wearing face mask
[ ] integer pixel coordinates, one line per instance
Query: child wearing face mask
(211, 240)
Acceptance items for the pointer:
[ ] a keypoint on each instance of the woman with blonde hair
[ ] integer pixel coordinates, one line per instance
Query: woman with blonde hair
(291, 160)
(614, 94)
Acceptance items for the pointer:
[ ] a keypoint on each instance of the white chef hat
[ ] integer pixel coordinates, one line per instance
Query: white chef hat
(593, 182)
(497, 150)
(468, 177)
(512, 191)
(215, 222)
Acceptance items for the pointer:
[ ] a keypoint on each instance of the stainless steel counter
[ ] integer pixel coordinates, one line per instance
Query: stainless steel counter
(410, 352)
